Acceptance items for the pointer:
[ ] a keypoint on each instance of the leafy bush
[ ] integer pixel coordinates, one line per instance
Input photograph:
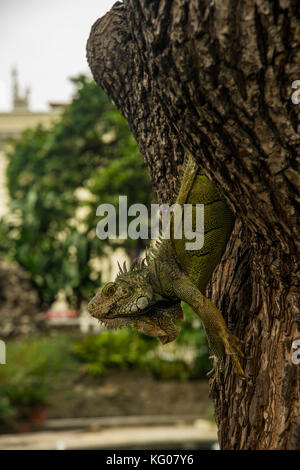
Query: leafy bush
(122, 349)
(7, 411)
(127, 349)
(27, 377)
(163, 369)
(193, 335)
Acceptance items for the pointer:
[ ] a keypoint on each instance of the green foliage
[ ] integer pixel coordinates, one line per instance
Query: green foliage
(163, 369)
(33, 366)
(50, 230)
(7, 411)
(193, 335)
(127, 349)
(27, 377)
(122, 349)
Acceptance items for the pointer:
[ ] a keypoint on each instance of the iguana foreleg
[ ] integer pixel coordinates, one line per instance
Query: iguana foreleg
(221, 341)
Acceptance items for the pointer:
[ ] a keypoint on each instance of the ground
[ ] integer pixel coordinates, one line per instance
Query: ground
(126, 393)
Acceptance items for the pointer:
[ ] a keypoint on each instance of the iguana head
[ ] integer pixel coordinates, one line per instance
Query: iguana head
(131, 301)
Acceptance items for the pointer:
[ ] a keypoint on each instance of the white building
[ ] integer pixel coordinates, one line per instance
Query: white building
(13, 123)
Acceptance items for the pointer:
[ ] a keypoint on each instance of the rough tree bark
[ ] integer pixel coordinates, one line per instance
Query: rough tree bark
(214, 78)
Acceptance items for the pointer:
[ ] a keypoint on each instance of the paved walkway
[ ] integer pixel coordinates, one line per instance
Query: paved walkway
(202, 434)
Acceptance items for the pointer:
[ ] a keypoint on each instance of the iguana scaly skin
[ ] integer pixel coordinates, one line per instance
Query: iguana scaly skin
(148, 296)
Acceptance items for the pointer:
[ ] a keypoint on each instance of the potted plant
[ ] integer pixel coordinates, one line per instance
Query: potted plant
(7, 414)
(24, 384)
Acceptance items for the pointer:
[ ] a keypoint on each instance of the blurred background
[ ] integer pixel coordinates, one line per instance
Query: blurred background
(67, 382)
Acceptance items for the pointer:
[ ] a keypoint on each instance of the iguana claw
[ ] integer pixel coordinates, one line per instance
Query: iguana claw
(231, 344)
(217, 371)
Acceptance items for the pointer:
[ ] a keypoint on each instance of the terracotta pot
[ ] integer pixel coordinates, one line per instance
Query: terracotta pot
(31, 419)
(38, 416)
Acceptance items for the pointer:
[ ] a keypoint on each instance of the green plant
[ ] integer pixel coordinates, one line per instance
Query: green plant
(122, 349)
(193, 335)
(163, 369)
(27, 378)
(7, 411)
(127, 349)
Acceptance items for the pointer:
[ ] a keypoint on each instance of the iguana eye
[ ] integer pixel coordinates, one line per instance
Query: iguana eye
(109, 289)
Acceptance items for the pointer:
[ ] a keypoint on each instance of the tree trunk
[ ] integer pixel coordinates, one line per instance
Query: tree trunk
(214, 78)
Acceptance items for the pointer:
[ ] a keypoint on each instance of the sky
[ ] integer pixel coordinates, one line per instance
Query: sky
(45, 40)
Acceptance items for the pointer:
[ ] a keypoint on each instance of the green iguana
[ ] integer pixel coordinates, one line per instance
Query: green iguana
(148, 295)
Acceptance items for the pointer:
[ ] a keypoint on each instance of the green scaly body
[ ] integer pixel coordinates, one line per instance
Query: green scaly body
(196, 188)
